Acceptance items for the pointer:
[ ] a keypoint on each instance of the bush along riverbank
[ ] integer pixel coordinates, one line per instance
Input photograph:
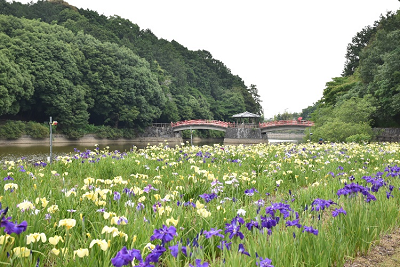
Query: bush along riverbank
(20, 131)
(281, 205)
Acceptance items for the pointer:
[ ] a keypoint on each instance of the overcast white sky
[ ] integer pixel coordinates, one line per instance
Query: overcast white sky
(289, 49)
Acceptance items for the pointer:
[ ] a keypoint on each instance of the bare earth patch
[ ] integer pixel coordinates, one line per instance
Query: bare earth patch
(385, 253)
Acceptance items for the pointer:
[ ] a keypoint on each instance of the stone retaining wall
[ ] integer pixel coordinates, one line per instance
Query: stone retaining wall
(159, 132)
(387, 134)
(245, 136)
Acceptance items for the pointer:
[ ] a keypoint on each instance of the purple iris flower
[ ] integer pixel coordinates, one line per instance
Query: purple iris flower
(188, 203)
(293, 223)
(320, 204)
(10, 227)
(252, 224)
(198, 264)
(156, 206)
(155, 254)
(283, 208)
(121, 220)
(213, 232)
(148, 188)
(140, 206)
(128, 191)
(264, 262)
(175, 250)
(208, 197)
(234, 227)
(117, 195)
(388, 194)
(376, 182)
(242, 250)
(353, 189)
(250, 192)
(336, 212)
(310, 230)
(224, 245)
(165, 234)
(125, 257)
(269, 222)
(8, 177)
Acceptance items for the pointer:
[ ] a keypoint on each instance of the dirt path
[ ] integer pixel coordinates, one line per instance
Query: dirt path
(386, 253)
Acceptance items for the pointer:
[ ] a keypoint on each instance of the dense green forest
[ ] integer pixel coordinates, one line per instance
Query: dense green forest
(83, 68)
(367, 94)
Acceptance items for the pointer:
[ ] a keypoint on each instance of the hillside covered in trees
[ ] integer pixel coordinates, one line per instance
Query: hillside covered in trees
(84, 68)
(368, 92)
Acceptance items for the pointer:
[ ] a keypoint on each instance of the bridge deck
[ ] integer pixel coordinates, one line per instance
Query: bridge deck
(222, 126)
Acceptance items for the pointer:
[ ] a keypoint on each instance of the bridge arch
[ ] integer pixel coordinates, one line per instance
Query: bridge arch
(223, 126)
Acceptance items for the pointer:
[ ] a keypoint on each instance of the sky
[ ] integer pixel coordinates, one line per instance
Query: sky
(289, 49)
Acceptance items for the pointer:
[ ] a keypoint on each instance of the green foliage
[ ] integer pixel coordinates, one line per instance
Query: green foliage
(338, 87)
(349, 118)
(356, 110)
(90, 128)
(128, 133)
(359, 138)
(306, 113)
(287, 116)
(336, 130)
(111, 84)
(107, 132)
(84, 68)
(74, 134)
(37, 130)
(170, 112)
(12, 129)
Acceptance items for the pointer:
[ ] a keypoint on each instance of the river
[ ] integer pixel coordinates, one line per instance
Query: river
(42, 152)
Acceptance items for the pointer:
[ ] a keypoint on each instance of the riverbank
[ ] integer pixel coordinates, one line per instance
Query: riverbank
(91, 139)
(60, 140)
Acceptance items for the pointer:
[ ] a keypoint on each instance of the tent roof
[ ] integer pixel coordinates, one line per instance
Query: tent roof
(246, 114)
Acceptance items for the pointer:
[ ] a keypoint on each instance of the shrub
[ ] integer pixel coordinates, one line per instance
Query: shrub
(74, 134)
(37, 130)
(128, 133)
(108, 132)
(358, 138)
(12, 129)
(90, 128)
(335, 130)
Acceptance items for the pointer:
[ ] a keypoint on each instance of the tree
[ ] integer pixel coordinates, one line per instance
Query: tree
(338, 87)
(256, 97)
(351, 118)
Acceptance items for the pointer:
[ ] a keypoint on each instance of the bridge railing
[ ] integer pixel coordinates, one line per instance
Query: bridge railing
(241, 125)
(286, 122)
(200, 122)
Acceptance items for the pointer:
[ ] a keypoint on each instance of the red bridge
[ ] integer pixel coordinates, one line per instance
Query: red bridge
(222, 126)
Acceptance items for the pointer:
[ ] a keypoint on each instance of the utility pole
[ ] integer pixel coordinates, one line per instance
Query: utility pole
(191, 136)
(51, 123)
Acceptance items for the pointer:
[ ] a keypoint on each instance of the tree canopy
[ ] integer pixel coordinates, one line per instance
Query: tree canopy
(368, 92)
(81, 67)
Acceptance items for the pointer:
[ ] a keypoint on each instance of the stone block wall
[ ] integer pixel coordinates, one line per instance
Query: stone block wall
(160, 132)
(387, 134)
(243, 133)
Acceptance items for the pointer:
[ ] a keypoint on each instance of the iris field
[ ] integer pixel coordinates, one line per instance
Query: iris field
(258, 205)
